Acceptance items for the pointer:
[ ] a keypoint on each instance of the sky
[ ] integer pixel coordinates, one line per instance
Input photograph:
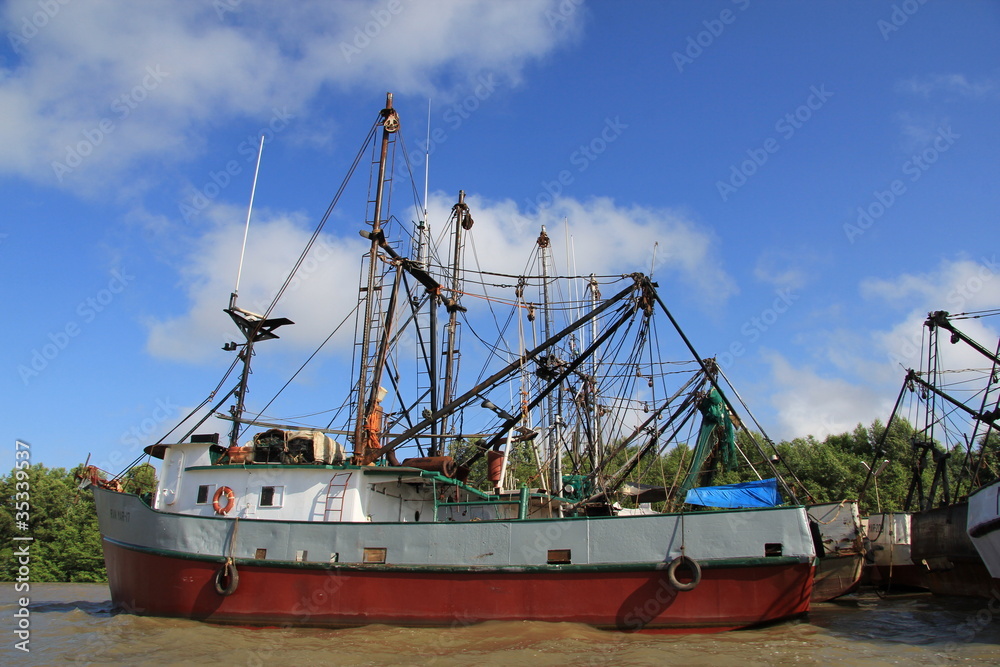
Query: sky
(805, 181)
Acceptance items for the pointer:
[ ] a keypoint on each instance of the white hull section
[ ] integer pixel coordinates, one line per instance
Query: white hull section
(984, 525)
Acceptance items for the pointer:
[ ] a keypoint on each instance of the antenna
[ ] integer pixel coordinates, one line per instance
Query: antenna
(427, 158)
(424, 232)
(246, 229)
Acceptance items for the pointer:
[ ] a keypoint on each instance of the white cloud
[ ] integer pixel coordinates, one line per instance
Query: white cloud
(857, 376)
(955, 286)
(807, 403)
(954, 84)
(316, 300)
(607, 240)
(104, 84)
(785, 269)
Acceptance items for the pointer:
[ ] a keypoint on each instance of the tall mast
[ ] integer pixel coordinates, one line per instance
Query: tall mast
(463, 220)
(368, 388)
(598, 438)
(550, 417)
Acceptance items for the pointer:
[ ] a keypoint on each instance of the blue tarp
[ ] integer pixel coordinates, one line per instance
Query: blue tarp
(748, 494)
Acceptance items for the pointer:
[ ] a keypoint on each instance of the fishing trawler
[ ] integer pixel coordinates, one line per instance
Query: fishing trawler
(892, 567)
(953, 442)
(426, 502)
(842, 560)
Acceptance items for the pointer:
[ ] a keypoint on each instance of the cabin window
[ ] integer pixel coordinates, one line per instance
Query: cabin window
(205, 492)
(334, 557)
(301, 555)
(260, 554)
(271, 496)
(773, 550)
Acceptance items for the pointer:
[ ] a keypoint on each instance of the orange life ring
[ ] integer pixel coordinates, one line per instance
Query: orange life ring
(230, 500)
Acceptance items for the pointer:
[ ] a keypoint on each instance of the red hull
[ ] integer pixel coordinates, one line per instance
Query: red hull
(726, 598)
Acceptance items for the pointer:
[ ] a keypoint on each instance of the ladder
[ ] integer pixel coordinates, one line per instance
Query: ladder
(333, 509)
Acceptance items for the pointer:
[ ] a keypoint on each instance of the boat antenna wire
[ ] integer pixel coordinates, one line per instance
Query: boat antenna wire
(322, 223)
(189, 415)
(315, 235)
(246, 229)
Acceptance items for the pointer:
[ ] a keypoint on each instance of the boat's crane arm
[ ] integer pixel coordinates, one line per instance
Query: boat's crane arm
(501, 375)
(413, 268)
(557, 380)
(988, 417)
(940, 319)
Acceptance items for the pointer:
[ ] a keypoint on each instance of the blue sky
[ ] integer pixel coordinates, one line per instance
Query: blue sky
(816, 177)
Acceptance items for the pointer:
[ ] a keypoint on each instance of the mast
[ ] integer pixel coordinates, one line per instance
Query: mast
(598, 438)
(463, 220)
(368, 388)
(550, 417)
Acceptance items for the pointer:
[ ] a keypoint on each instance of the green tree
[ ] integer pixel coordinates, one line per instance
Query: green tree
(62, 521)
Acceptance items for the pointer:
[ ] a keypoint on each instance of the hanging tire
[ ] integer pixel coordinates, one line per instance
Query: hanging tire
(227, 578)
(695, 573)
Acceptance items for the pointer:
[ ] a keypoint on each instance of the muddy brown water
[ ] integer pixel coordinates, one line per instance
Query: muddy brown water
(76, 624)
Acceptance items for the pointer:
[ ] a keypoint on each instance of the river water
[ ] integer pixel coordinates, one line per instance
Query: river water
(76, 624)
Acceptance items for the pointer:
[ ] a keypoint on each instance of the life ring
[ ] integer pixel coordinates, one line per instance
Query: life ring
(227, 578)
(230, 500)
(695, 573)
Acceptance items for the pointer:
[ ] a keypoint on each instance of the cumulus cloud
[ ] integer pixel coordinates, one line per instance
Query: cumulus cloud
(106, 83)
(808, 403)
(316, 300)
(956, 286)
(858, 376)
(606, 239)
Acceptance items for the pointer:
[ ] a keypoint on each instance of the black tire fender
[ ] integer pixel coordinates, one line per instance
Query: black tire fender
(692, 564)
(227, 579)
